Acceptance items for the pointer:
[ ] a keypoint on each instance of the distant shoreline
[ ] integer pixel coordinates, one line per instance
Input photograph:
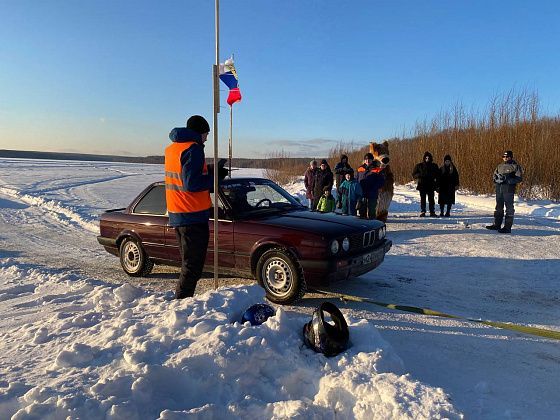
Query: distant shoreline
(237, 162)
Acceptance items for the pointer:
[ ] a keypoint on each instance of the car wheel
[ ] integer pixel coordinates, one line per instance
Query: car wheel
(281, 276)
(134, 260)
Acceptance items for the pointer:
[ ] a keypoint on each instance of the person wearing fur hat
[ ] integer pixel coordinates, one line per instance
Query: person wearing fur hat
(506, 177)
(426, 174)
(309, 179)
(448, 184)
(188, 183)
(324, 178)
(340, 170)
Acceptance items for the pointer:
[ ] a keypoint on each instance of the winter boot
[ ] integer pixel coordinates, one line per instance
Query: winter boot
(448, 212)
(507, 225)
(433, 214)
(497, 223)
(423, 214)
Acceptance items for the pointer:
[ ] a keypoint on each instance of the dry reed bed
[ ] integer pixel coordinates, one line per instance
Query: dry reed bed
(475, 140)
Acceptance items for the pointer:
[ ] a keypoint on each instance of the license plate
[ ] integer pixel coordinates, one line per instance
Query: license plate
(368, 258)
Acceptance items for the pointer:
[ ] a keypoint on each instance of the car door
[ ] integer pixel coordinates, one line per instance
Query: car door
(149, 221)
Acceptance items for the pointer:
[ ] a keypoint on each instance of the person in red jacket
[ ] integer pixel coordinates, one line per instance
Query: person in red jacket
(188, 183)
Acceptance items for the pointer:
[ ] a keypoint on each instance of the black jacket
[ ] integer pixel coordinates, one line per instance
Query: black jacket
(322, 179)
(426, 174)
(448, 181)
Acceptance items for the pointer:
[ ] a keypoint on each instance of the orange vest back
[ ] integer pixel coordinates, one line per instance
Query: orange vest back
(178, 199)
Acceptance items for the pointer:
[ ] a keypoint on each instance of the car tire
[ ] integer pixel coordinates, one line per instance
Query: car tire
(134, 260)
(279, 273)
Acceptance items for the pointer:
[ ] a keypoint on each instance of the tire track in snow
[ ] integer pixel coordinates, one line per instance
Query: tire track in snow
(65, 215)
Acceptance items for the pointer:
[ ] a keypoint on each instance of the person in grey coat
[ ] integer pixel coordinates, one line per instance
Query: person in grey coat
(506, 177)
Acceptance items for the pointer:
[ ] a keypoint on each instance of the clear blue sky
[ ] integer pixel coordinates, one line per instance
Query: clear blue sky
(114, 77)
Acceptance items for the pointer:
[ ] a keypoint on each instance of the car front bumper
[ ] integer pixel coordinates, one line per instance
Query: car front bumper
(344, 267)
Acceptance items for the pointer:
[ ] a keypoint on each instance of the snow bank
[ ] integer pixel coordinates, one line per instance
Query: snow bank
(95, 350)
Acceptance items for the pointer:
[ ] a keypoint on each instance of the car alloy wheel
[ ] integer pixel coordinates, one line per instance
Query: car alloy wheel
(134, 260)
(131, 256)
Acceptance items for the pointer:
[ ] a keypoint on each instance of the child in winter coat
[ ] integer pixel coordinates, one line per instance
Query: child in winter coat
(351, 192)
(326, 202)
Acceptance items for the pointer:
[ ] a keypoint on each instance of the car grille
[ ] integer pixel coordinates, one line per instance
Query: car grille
(363, 240)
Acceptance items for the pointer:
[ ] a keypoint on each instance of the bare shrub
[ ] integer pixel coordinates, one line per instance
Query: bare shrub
(354, 152)
(476, 140)
(282, 169)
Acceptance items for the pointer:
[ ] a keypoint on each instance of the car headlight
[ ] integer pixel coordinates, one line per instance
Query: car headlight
(382, 233)
(346, 244)
(334, 246)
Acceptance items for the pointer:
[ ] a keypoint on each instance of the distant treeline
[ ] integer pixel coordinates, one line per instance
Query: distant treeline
(475, 140)
(235, 162)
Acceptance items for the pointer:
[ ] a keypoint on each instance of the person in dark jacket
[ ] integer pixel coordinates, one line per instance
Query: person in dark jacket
(340, 170)
(371, 179)
(448, 184)
(506, 177)
(426, 174)
(188, 183)
(324, 178)
(309, 179)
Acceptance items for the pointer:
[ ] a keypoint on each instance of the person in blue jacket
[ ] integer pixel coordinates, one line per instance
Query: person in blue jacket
(371, 179)
(351, 193)
(188, 184)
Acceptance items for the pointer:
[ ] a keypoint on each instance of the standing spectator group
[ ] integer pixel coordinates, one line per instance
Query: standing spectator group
(358, 196)
(354, 196)
(430, 179)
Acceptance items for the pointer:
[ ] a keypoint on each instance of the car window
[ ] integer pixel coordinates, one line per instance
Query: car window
(153, 202)
(265, 194)
(248, 197)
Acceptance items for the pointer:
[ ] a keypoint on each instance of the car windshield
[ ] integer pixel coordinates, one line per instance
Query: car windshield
(251, 197)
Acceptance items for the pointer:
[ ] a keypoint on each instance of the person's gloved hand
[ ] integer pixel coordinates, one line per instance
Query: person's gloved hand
(222, 171)
(499, 178)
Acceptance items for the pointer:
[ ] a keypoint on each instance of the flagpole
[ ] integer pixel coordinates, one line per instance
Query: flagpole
(215, 80)
(230, 137)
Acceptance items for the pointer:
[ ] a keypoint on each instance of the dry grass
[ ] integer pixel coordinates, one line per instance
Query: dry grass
(282, 169)
(476, 142)
(474, 139)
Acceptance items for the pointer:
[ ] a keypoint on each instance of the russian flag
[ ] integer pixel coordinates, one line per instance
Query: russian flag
(228, 75)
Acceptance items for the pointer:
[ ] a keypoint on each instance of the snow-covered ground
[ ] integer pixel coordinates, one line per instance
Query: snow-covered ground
(79, 339)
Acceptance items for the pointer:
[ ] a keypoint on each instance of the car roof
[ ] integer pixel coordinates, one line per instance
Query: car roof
(230, 180)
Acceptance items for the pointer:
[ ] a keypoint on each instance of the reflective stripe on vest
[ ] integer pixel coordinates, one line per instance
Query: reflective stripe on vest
(179, 200)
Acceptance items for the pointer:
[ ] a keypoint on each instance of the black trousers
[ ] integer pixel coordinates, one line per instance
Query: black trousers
(193, 245)
(431, 201)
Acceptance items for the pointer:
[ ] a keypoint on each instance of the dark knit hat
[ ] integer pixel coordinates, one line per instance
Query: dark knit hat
(508, 153)
(447, 157)
(198, 124)
(324, 162)
(368, 156)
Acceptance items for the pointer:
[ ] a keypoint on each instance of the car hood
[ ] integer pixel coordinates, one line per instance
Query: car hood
(324, 224)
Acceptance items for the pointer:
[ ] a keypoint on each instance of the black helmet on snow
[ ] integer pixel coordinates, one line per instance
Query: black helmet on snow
(324, 337)
(258, 313)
